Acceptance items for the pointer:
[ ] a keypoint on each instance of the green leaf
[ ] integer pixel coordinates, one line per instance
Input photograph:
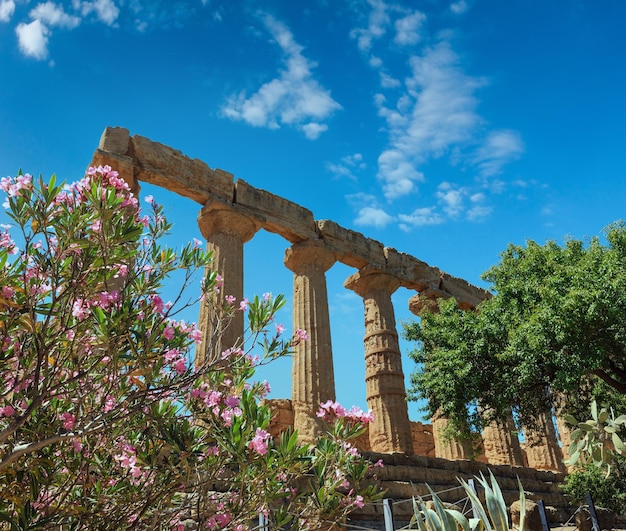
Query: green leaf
(618, 443)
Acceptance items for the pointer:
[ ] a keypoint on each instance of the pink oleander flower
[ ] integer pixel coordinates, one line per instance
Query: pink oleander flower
(358, 501)
(299, 336)
(259, 443)
(7, 411)
(197, 243)
(168, 333)
(7, 292)
(243, 305)
(280, 328)
(230, 300)
(157, 303)
(180, 366)
(149, 199)
(80, 309)
(69, 420)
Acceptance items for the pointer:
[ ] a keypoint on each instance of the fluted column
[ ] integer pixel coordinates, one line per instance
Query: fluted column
(542, 449)
(564, 430)
(501, 443)
(226, 230)
(313, 374)
(444, 447)
(386, 395)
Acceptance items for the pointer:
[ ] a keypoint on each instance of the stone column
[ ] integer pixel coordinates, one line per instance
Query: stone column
(564, 430)
(447, 448)
(501, 443)
(313, 374)
(226, 230)
(386, 396)
(542, 448)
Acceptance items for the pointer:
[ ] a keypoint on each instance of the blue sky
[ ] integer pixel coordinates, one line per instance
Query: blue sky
(444, 129)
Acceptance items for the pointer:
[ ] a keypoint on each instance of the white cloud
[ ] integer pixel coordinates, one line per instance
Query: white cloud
(398, 173)
(437, 112)
(386, 81)
(33, 39)
(373, 217)
(451, 198)
(294, 98)
(52, 14)
(7, 7)
(499, 148)
(313, 130)
(407, 29)
(348, 165)
(420, 217)
(377, 26)
(460, 7)
(105, 10)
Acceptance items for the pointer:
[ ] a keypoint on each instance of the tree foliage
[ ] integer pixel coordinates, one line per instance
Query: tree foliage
(105, 422)
(552, 334)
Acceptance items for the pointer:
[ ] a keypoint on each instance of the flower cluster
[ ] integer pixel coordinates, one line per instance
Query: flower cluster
(330, 411)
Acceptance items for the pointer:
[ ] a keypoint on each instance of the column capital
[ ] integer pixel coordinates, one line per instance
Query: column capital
(218, 217)
(300, 256)
(369, 280)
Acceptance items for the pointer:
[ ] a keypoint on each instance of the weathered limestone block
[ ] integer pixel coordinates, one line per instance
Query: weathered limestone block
(413, 273)
(351, 247)
(113, 151)
(278, 215)
(532, 517)
(423, 440)
(313, 373)
(384, 379)
(163, 166)
(226, 229)
(426, 300)
(466, 295)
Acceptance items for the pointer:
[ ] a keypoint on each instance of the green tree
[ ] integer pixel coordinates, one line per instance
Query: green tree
(552, 334)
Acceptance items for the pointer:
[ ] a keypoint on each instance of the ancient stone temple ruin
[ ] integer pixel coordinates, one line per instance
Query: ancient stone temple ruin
(231, 212)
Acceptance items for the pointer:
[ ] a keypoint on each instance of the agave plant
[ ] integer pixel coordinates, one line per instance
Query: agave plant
(492, 516)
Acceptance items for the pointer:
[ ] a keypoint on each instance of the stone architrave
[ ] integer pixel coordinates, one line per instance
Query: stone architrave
(226, 230)
(386, 396)
(542, 448)
(501, 443)
(313, 373)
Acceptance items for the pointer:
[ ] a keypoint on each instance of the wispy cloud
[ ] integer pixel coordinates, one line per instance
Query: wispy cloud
(369, 212)
(7, 7)
(499, 148)
(294, 98)
(347, 166)
(52, 14)
(420, 217)
(436, 112)
(377, 26)
(408, 28)
(105, 10)
(431, 113)
(460, 7)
